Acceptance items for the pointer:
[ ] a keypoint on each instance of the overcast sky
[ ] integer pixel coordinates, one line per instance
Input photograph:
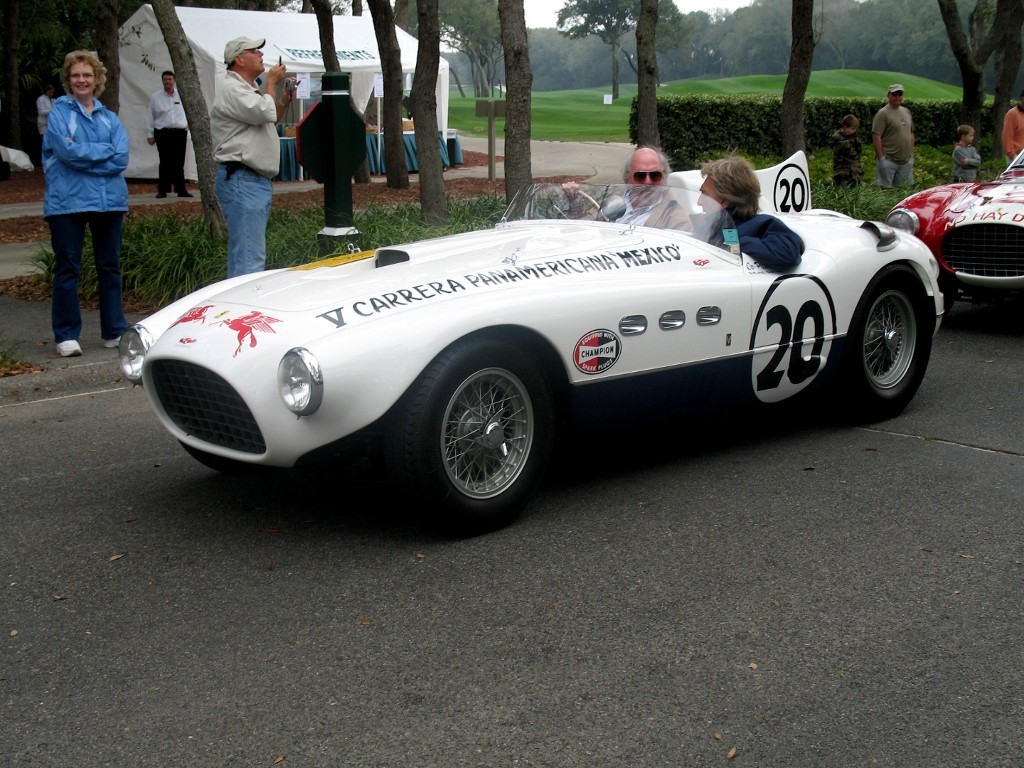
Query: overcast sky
(544, 13)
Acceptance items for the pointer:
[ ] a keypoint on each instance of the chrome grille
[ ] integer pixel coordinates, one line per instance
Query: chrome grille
(991, 250)
(205, 406)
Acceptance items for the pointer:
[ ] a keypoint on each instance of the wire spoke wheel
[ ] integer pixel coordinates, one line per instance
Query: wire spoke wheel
(890, 337)
(487, 433)
(471, 438)
(890, 342)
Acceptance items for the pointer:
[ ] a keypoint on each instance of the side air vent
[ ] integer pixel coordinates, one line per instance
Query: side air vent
(709, 316)
(388, 256)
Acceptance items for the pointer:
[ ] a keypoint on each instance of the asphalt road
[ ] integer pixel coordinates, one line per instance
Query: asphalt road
(801, 593)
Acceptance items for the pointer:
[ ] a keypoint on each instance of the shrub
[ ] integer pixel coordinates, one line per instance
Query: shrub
(694, 125)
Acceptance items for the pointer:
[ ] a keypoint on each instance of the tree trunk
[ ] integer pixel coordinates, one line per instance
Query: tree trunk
(325, 26)
(391, 64)
(401, 14)
(616, 52)
(1007, 64)
(481, 87)
(518, 161)
(108, 49)
(424, 112)
(971, 62)
(974, 95)
(458, 83)
(197, 113)
(647, 133)
(632, 61)
(12, 94)
(362, 174)
(800, 59)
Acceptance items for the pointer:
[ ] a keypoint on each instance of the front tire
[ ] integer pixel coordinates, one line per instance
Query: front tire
(472, 436)
(888, 346)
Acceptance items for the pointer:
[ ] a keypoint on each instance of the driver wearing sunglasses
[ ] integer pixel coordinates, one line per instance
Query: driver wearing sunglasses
(647, 200)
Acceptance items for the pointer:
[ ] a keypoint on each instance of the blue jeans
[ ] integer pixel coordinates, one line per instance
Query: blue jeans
(67, 237)
(245, 200)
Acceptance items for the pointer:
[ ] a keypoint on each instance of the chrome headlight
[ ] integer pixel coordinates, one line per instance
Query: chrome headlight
(904, 220)
(300, 382)
(131, 352)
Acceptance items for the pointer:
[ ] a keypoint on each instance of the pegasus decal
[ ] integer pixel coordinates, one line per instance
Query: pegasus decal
(247, 325)
(194, 315)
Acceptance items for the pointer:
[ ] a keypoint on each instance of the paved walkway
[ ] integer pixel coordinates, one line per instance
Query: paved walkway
(600, 161)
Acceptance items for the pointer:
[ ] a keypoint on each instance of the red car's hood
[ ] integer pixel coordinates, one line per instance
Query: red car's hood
(990, 196)
(952, 205)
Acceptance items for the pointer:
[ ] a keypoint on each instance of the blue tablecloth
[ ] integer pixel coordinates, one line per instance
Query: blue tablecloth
(454, 148)
(290, 169)
(377, 162)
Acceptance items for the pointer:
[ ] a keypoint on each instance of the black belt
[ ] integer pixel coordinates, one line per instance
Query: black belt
(233, 165)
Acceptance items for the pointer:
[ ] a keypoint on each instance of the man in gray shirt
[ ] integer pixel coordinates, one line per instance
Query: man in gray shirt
(892, 132)
(246, 148)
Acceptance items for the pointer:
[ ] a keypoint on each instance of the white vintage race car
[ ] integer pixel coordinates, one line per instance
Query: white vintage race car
(459, 357)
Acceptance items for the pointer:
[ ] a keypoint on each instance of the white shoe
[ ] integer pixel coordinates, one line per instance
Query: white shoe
(111, 343)
(69, 348)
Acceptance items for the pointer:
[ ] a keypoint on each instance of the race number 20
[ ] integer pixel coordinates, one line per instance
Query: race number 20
(792, 190)
(792, 337)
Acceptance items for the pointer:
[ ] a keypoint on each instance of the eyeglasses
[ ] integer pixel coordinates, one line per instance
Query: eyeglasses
(896, 93)
(641, 176)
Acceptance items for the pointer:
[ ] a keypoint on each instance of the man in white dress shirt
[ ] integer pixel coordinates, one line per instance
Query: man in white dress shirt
(167, 127)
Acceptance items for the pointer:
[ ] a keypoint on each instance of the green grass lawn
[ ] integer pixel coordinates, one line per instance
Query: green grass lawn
(557, 115)
(582, 115)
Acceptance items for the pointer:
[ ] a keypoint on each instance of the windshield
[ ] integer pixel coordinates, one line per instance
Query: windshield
(637, 205)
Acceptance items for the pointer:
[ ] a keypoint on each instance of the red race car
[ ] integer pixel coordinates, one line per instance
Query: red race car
(975, 230)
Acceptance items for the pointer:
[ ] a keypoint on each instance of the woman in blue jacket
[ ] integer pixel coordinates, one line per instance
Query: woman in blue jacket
(732, 184)
(85, 154)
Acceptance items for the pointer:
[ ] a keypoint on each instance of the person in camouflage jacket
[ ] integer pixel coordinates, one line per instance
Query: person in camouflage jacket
(846, 150)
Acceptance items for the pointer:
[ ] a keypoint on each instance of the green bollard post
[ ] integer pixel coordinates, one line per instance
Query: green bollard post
(331, 145)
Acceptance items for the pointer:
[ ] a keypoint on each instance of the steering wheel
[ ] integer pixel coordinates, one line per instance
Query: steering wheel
(589, 199)
(571, 210)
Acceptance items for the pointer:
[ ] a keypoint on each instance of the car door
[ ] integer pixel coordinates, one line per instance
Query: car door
(793, 325)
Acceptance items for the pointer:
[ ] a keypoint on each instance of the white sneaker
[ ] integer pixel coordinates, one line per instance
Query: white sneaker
(111, 343)
(69, 348)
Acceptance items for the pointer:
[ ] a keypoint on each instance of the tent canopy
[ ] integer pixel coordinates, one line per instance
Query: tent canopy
(295, 37)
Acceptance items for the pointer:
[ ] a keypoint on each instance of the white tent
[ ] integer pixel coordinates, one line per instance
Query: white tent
(294, 37)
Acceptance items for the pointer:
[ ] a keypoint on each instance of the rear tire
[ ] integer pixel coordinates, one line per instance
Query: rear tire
(888, 346)
(473, 435)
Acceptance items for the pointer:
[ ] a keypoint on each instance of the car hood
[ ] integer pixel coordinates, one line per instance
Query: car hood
(993, 197)
(307, 302)
(998, 201)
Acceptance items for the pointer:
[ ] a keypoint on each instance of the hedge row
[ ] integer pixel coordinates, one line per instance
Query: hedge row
(694, 126)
